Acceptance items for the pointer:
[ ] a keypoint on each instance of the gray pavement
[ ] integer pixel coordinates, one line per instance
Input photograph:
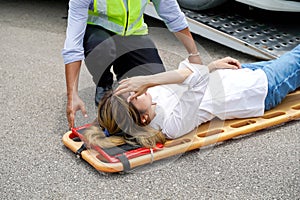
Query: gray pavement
(36, 165)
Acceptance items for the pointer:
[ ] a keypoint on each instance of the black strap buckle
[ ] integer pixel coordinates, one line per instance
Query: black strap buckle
(81, 149)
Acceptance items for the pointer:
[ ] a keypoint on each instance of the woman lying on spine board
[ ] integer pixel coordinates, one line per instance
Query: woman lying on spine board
(146, 110)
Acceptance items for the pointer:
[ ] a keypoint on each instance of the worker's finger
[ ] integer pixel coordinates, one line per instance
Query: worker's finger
(70, 120)
(83, 111)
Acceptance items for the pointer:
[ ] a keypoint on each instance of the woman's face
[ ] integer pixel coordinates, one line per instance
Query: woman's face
(144, 105)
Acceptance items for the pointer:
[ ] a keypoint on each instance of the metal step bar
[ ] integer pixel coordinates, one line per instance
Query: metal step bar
(244, 34)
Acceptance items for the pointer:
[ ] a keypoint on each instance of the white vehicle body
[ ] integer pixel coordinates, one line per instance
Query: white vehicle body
(274, 5)
(271, 5)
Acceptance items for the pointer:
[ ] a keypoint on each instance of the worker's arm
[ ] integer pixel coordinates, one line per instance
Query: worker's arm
(73, 53)
(187, 40)
(176, 22)
(74, 103)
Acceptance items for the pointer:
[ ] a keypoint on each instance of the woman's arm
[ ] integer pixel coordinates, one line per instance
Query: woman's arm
(139, 84)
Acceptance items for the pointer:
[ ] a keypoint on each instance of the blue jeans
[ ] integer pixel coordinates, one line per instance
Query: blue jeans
(283, 76)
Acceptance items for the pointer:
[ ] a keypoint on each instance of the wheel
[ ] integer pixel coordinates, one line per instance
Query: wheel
(200, 4)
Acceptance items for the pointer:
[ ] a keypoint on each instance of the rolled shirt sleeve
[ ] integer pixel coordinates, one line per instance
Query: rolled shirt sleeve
(77, 20)
(183, 117)
(171, 14)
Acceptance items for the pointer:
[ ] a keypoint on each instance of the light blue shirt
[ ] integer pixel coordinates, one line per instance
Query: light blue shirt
(168, 10)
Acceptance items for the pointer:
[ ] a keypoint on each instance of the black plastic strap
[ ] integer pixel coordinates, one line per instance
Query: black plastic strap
(81, 149)
(124, 160)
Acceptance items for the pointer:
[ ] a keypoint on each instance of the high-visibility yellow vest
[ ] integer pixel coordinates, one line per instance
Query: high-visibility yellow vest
(123, 17)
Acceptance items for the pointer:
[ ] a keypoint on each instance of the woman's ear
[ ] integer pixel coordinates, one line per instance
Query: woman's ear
(144, 118)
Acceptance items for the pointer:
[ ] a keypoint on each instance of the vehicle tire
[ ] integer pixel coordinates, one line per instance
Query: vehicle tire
(200, 4)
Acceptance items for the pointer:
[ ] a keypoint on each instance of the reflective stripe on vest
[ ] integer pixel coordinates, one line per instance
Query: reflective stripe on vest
(123, 17)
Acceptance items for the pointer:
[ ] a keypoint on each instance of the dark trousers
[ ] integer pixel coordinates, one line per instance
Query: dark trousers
(129, 55)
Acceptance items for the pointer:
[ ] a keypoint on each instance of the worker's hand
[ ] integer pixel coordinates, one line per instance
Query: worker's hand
(137, 84)
(73, 105)
(195, 60)
(224, 63)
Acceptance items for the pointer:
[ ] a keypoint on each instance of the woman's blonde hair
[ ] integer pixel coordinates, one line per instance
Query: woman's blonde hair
(117, 116)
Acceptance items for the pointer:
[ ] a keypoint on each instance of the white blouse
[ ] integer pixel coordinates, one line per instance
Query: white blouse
(224, 93)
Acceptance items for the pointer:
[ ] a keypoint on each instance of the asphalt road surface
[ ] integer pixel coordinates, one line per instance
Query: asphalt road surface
(36, 165)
